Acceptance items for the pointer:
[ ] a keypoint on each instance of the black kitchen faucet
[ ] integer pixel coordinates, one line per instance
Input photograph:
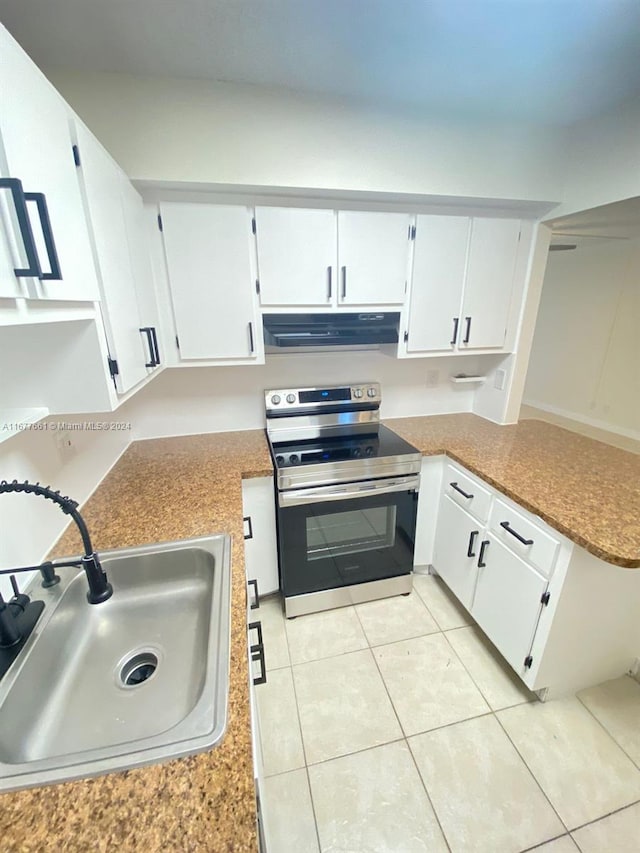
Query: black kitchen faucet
(19, 616)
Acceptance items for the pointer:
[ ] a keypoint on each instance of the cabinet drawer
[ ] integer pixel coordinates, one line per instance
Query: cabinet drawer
(539, 548)
(467, 492)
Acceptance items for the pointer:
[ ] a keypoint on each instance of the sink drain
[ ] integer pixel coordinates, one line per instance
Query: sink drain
(138, 669)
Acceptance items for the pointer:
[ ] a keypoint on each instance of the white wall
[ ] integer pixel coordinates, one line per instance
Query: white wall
(213, 399)
(164, 129)
(585, 360)
(601, 162)
(30, 525)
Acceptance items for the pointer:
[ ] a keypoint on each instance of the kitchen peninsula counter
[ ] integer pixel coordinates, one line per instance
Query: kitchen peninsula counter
(176, 488)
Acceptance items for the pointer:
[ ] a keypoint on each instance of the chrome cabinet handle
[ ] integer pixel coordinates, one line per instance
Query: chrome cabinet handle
(344, 282)
(329, 288)
(14, 185)
(513, 532)
(47, 233)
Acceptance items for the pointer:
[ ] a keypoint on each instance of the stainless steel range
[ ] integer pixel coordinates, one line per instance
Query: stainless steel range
(346, 492)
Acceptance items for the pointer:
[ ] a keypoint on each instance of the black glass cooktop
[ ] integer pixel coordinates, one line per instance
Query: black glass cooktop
(378, 445)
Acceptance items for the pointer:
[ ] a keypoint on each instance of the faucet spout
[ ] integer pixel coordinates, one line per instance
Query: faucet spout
(99, 587)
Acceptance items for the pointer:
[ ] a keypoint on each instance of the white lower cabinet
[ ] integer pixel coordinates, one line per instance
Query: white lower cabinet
(456, 550)
(507, 600)
(562, 618)
(260, 547)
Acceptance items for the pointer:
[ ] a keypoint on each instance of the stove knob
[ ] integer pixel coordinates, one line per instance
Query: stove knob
(371, 392)
(357, 393)
(357, 452)
(368, 451)
(276, 399)
(279, 459)
(291, 398)
(294, 459)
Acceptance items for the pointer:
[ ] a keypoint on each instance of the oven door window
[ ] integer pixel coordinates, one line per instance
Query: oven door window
(336, 534)
(339, 543)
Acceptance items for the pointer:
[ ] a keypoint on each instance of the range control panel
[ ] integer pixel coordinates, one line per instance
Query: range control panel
(282, 399)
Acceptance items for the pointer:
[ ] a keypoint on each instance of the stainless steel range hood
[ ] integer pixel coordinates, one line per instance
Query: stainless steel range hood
(310, 332)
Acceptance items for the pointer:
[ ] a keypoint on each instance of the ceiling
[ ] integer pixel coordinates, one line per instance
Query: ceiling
(543, 61)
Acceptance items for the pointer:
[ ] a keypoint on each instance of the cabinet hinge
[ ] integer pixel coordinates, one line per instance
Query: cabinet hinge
(412, 232)
(528, 661)
(545, 598)
(160, 225)
(76, 154)
(177, 342)
(257, 286)
(113, 367)
(253, 225)
(406, 337)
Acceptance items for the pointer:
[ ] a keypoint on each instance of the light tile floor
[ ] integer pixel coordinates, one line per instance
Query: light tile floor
(394, 727)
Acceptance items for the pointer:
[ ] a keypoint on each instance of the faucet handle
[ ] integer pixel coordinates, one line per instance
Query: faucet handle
(19, 598)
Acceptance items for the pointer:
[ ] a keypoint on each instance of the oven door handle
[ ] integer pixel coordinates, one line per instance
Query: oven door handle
(297, 497)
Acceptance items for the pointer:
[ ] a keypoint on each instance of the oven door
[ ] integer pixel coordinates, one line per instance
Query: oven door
(336, 536)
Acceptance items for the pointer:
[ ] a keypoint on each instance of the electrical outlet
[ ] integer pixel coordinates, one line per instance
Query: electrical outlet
(499, 379)
(433, 377)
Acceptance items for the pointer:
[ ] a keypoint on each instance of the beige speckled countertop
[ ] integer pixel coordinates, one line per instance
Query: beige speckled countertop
(176, 488)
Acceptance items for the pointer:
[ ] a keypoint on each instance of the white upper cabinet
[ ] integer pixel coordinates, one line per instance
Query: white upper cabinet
(324, 260)
(487, 292)
(212, 281)
(123, 262)
(52, 240)
(439, 265)
(296, 256)
(461, 284)
(373, 254)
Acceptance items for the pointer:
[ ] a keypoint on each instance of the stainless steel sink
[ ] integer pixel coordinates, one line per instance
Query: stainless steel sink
(140, 678)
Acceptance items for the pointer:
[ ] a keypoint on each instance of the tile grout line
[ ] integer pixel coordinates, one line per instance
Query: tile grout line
(531, 773)
(549, 841)
(604, 728)
(604, 816)
(404, 739)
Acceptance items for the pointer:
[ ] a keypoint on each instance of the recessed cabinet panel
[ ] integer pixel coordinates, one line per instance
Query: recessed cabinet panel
(507, 602)
(527, 538)
(439, 264)
(487, 294)
(296, 256)
(208, 252)
(456, 549)
(373, 254)
(467, 493)
(37, 143)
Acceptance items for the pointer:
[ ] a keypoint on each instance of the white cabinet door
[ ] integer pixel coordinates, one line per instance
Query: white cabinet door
(439, 263)
(507, 601)
(456, 549)
(35, 130)
(296, 256)
(208, 252)
(373, 254)
(260, 548)
(105, 187)
(487, 294)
